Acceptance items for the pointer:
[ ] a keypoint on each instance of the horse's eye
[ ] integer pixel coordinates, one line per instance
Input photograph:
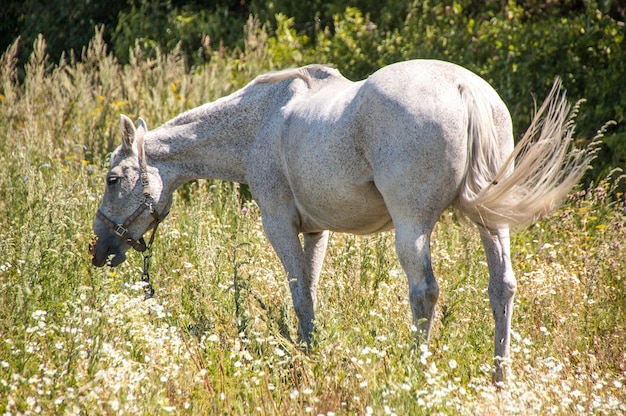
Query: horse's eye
(112, 180)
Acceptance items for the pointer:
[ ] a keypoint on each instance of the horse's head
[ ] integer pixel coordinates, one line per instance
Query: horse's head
(132, 200)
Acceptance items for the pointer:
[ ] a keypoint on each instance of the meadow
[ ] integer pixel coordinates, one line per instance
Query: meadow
(219, 336)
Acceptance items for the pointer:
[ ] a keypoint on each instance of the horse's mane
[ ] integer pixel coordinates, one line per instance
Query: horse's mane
(306, 73)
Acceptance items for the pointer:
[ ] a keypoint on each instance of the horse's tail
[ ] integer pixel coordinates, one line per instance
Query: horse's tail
(539, 173)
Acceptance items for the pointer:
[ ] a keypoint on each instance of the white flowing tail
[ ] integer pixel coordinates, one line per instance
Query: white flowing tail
(540, 172)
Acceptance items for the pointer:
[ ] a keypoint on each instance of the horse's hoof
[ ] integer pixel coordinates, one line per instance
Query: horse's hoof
(498, 377)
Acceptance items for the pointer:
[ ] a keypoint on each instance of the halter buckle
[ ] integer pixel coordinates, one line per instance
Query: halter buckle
(120, 231)
(149, 202)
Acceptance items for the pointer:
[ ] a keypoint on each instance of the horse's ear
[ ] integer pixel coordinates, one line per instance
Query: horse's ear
(142, 125)
(128, 133)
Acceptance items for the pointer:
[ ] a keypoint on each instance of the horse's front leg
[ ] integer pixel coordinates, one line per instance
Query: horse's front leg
(302, 267)
(502, 286)
(314, 252)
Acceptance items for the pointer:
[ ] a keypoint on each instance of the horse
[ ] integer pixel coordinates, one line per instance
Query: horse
(322, 153)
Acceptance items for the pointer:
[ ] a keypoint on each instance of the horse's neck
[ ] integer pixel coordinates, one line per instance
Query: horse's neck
(209, 142)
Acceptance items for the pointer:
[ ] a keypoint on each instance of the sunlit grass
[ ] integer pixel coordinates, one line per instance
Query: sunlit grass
(219, 335)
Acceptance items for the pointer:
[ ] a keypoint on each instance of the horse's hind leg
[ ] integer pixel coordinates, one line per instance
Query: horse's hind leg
(502, 287)
(413, 250)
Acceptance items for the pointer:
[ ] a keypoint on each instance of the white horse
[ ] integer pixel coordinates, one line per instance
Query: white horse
(320, 152)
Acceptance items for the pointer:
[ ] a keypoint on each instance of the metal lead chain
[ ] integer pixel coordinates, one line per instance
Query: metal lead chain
(145, 275)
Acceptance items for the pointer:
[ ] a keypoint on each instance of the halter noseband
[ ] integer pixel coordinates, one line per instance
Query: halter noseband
(121, 230)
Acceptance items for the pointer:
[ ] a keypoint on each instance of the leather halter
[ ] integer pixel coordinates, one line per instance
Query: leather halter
(121, 230)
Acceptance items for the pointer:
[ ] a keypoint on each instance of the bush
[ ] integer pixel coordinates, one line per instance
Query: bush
(65, 24)
(164, 25)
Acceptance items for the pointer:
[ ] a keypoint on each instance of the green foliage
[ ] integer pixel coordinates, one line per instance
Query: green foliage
(162, 25)
(585, 51)
(65, 24)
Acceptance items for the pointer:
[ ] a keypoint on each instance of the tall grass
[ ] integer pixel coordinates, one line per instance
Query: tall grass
(217, 338)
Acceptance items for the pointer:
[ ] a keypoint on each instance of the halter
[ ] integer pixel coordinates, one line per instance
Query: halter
(121, 230)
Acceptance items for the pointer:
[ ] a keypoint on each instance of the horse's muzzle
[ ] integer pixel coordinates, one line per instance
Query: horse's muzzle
(101, 252)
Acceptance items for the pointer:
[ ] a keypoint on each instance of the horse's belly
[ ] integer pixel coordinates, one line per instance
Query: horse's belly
(352, 209)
